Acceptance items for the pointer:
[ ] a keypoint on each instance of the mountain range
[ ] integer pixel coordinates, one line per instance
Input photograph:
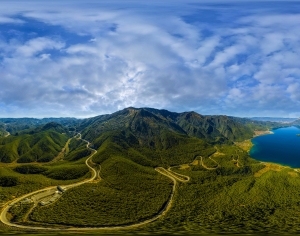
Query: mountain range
(195, 168)
(147, 131)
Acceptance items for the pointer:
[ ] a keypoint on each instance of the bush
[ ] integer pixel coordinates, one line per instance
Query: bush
(67, 172)
(30, 169)
(8, 181)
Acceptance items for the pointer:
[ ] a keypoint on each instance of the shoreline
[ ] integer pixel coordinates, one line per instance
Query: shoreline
(266, 163)
(247, 144)
(264, 132)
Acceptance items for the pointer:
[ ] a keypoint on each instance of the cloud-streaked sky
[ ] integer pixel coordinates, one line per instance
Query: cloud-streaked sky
(83, 58)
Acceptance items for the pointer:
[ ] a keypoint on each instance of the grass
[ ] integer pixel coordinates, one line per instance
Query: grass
(269, 167)
(67, 171)
(237, 203)
(251, 198)
(41, 147)
(18, 212)
(17, 179)
(245, 145)
(128, 193)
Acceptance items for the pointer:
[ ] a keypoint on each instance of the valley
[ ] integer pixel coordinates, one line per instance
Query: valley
(143, 170)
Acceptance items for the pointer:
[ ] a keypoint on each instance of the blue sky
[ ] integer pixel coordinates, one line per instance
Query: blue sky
(86, 58)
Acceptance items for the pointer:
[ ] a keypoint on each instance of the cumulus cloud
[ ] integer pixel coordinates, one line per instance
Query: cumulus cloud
(106, 57)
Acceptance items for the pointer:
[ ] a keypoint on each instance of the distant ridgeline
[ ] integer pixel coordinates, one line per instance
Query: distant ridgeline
(146, 123)
(159, 137)
(274, 119)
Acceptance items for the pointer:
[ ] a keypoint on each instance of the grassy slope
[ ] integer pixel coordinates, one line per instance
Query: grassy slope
(42, 147)
(128, 193)
(169, 149)
(26, 183)
(228, 199)
(30, 177)
(235, 203)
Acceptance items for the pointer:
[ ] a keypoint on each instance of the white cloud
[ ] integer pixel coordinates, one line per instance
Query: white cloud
(37, 45)
(137, 58)
(5, 20)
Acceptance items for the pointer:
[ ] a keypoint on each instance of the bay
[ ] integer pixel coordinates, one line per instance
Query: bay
(282, 147)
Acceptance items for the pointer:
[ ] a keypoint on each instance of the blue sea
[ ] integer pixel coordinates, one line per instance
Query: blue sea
(282, 147)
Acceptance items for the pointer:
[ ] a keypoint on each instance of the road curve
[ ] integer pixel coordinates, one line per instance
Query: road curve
(163, 211)
(7, 206)
(179, 177)
(209, 168)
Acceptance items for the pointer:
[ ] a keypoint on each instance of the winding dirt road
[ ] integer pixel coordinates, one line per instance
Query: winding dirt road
(177, 176)
(7, 134)
(168, 173)
(209, 168)
(47, 190)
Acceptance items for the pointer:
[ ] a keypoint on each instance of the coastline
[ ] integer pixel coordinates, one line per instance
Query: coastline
(269, 164)
(247, 144)
(264, 132)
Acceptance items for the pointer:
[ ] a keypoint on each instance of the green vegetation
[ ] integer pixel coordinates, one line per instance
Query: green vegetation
(30, 169)
(18, 179)
(21, 184)
(8, 181)
(18, 212)
(2, 129)
(77, 150)
(235, 202)
(41, 147)
(18, 126)
(147, 123)
(228, 191)
(169, 149)
(66, 171)
(127, 194)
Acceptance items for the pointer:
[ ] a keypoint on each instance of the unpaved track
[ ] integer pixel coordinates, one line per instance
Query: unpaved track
(8, 133)
(160, 170)
(177, 176)
(7, 206)
(209, 168)
(237, 160)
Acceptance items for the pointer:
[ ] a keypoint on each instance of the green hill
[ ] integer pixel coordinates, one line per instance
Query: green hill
(146, 123)
(42, 145)
(26, 125)
(223, 190)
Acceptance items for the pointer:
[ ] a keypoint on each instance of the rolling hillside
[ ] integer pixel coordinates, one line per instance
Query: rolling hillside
(40, 145)
(148, 122)
(225, 190)
(25, 125)
(153, 137)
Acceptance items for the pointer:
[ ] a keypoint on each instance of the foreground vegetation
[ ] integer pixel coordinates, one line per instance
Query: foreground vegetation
(17, 179)
(228, 191)
(128, 193)
(215, 202)
(252, 198)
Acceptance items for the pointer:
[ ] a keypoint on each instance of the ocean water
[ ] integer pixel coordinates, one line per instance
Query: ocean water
(282, 147)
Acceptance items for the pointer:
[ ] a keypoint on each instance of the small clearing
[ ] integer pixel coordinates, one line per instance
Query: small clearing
(262, 132)
(268, 167)
(245, 145)
(195, 162)
(184, 166)
(293, 174)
